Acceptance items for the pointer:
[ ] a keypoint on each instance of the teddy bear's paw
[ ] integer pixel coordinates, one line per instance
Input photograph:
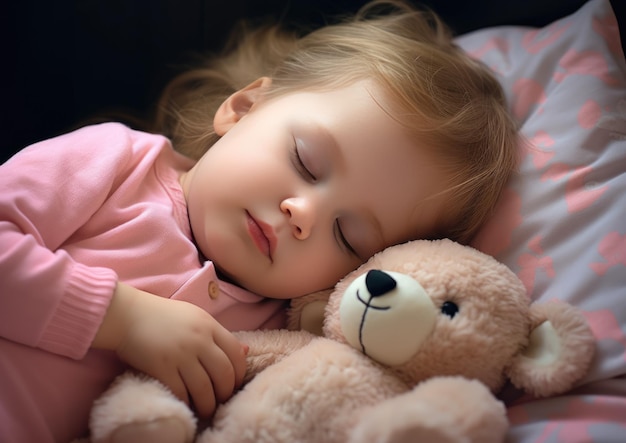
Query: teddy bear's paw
(140, 409)
(441, 409)
(167, 430)
(404, 431)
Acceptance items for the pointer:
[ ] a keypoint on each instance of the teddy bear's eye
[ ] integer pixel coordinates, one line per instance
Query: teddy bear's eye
(449, 308)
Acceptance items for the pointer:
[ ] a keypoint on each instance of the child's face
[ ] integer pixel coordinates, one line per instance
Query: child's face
(304, 187)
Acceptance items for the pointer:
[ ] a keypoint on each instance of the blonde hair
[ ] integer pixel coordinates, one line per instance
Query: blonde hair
(449, 102)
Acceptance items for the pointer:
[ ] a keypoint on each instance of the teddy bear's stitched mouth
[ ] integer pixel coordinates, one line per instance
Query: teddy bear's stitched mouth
(368, 303)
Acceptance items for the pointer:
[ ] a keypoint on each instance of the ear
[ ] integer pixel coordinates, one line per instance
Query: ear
(560, 349)
(307, 313)
(238, 105)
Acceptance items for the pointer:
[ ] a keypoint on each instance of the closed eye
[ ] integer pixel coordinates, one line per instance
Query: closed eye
(301, 168)
(342, 240)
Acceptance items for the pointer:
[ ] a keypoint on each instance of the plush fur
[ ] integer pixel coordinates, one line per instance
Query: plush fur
(413, 353)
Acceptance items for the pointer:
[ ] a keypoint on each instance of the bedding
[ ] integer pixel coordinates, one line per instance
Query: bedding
(561, 223)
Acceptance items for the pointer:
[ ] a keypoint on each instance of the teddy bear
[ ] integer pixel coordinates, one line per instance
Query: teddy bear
(413, 345)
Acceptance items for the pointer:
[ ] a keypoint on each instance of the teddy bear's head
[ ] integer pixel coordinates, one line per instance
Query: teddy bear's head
(428, 308)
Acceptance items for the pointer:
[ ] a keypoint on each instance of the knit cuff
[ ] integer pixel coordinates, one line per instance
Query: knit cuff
(79, 314)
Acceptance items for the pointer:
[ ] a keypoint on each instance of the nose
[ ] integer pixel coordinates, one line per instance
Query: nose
(301, 214)
(379, 283)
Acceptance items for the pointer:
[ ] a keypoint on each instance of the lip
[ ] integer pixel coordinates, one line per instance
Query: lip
(262, 235)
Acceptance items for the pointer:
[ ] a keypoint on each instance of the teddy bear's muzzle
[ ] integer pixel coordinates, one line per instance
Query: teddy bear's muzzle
(386, 315)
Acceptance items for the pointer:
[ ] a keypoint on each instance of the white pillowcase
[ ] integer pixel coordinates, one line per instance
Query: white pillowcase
(561, 224)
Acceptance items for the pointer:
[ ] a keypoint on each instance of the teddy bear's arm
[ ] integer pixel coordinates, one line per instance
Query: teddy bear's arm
(269, 347)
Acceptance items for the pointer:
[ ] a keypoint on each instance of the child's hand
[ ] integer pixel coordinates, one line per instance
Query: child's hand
(176, 342)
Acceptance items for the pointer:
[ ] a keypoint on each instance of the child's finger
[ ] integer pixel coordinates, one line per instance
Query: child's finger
(201, 388)
(175, 383)
(235, 352)
(220, 370)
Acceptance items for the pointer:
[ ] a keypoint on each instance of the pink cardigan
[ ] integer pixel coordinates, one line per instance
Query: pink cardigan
(78, 213)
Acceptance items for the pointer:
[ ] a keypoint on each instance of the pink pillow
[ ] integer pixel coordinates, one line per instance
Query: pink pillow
(561, 224)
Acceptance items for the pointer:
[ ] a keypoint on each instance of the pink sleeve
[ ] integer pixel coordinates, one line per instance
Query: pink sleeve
(49, 190)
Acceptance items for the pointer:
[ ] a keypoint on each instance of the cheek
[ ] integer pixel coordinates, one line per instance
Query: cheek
(303, 274)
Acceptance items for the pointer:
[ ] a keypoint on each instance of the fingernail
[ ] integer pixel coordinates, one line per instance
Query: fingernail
(246, 348)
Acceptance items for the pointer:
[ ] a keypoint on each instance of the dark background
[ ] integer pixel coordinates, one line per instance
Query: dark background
(68, 60)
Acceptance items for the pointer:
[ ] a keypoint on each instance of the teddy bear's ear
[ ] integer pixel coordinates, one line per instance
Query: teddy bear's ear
(307, 313)
(560, 349)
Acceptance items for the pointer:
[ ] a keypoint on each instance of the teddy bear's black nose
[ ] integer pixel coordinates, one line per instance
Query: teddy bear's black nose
(379, 283)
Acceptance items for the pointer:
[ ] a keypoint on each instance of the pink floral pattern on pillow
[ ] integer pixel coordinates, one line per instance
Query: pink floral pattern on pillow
(561, 223)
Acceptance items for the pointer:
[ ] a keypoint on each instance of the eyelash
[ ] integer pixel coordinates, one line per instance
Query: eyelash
(308, 176)
(300, 166)
(343, 240)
